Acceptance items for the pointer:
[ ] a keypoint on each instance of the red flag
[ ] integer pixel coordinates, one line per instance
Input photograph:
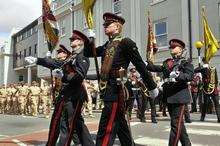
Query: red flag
(49, 21)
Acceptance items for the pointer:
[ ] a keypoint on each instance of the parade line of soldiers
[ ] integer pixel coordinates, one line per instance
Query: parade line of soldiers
(24, 99)
(117, 84)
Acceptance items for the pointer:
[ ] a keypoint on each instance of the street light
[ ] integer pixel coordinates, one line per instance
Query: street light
(199, 46)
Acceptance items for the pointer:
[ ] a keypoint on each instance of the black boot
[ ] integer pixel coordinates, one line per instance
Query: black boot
(153, 120)
(202, 119)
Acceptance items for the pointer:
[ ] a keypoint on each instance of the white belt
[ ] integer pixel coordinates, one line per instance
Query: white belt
(169, 80)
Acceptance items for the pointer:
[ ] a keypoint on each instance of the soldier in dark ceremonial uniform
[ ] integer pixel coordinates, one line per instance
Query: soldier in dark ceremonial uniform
(72, 69)
(117, 53)
(210, 88)
(177, 72)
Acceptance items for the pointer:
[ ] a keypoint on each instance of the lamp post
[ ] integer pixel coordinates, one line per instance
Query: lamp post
(199, 45)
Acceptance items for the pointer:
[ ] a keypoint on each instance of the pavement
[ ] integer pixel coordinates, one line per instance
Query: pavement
(33, 131)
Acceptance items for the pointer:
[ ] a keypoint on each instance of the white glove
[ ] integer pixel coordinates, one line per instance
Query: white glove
(153, 93)
(91, 33)
(48, 54)
(57, 73)
(30, 59)
(174, 74)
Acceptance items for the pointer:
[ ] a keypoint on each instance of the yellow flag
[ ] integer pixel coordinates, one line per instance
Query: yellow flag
(88, 11)
(211, 43)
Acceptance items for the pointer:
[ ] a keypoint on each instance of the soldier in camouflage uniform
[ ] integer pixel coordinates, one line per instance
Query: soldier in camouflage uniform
(88, 104)
(1, 100)
(3, 96)
(9, 94)
(34, 98)
(15, 98)
(45, 98)
(22, 100)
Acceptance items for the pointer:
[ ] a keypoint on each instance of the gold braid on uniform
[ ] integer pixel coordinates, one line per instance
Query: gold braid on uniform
(211, 84)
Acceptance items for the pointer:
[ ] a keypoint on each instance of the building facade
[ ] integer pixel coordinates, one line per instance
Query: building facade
(25, 43)
(171, 19)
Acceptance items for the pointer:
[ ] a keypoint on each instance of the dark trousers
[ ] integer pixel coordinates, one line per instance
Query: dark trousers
(187, 113)
(178, 130)
(112, 123)
(72, 125)
(194, 103)
(144, 102)
(215, 100)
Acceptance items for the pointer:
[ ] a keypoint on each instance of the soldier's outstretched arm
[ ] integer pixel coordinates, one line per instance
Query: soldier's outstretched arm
(131, 51)
(154, 68)
(49, 63)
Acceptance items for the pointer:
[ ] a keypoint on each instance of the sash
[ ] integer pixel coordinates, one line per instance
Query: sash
(107, 63)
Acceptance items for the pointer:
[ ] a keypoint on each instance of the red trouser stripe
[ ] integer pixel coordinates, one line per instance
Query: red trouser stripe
(179, 125)
(54, 123)
(109, 126)
(72, 123)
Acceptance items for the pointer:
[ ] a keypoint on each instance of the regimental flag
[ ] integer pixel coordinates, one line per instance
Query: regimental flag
(88, 11)
(151, 41)
(49, 25)
(210, 42)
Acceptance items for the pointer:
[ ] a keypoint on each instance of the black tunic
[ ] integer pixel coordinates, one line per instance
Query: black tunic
(126, 52)
(175, 92)
(72, 88)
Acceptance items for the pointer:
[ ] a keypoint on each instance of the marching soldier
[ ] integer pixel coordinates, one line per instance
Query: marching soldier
(34, 98)
(89, 89)
(16, 98)
(177, 72)
(134, 77)
(2, 99)
(45, 98)
(210, 88)
(194, 85)
(117, 53)
(72, 69)
(9, 101)
(22, 101)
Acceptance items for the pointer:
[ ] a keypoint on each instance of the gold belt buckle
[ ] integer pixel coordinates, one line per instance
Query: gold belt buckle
(102, 84)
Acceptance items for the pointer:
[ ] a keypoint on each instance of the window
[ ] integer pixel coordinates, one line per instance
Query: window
(156, 1)
(35, 49)
(29, 33)
(160, 28)
(62, 26)
(21, 78)
(85, 26)
(29, 51)
(219, 9)
(20, 54)
(16, 56)
(34, 29)
(25, 53)
(117, 6)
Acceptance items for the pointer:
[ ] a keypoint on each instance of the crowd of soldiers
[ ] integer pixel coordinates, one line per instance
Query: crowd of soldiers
(71, 66)
(24, 99)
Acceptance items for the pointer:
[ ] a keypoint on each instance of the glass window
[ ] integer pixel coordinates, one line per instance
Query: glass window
(35, 49)
(156, 1)
(21, 78)
(25, 53)
(219, 9)
(20, 54)
(62, 26)
(117, 6)
(160, 28)
(29, 51)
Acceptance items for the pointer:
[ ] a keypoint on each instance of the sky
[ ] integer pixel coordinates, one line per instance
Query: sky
(18, 14)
